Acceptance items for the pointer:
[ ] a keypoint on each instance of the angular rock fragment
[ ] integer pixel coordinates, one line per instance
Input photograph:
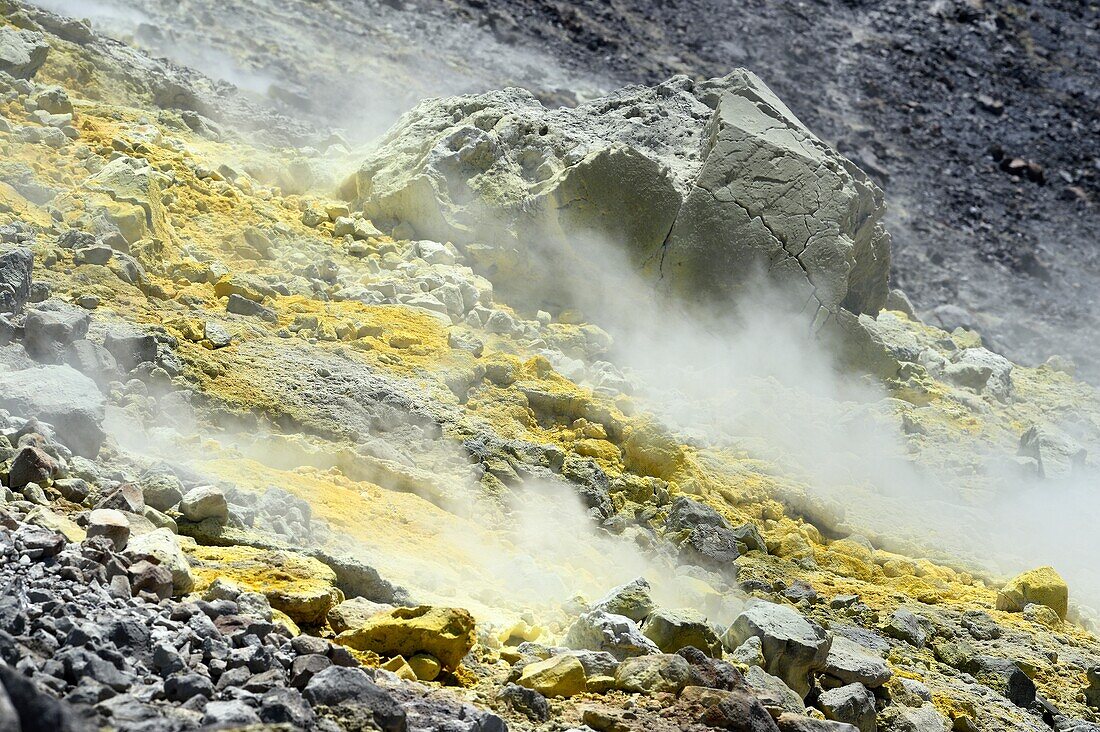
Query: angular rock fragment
(616, 634)
(673, 630)
(631, 600)
(556, 676)
(793, 646)
(853, 704)
(659, 672)
(701, 185)
(15, 279)
(445, 633)
(22, 52)
(849, 663)
(1043, 586)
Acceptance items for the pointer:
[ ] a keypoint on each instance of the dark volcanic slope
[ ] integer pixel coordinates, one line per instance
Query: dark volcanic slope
(945, 103)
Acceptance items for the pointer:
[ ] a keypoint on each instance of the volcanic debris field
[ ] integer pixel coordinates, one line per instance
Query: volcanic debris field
(578, 408)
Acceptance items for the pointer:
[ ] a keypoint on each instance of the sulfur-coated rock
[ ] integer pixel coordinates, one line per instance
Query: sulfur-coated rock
(659, 672)
(616, 634)
(673, 630)
(853, 704)
(444, 633)
(631, 600)
(425, 667)
(300, 586)
(1043, 586)
(793, 646)
(557, 676)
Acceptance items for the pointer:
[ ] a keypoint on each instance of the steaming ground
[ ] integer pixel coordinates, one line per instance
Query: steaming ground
(385, 407)
(355, 67)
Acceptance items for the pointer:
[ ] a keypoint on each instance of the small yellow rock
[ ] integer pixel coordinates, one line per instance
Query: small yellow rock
(399, 666)
(425, 667)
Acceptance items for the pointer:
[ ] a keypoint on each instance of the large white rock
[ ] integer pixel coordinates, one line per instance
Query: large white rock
(699, 184)
(61, 396)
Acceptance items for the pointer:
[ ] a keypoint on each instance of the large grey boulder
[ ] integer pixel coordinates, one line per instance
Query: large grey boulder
(22, 52)
(793, 646)
(848, 662)
(61, 396)
(701, 185)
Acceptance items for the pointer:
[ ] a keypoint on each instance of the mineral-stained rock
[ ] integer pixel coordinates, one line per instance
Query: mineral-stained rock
(673, 630)
(61, 396)
(1043, 586)
(659, 672)
(31, 465)
(793, 646)
(445, 633)
(700, 184)
(616, 634)
(556, 676)
(631, 600)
